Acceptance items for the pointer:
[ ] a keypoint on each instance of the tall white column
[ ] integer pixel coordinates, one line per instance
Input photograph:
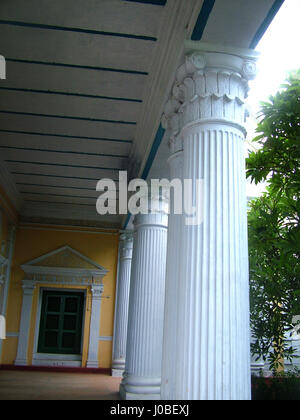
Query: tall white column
(142, 377)
(210, 328)
(122, 302)
(28, 290)
(93, 360)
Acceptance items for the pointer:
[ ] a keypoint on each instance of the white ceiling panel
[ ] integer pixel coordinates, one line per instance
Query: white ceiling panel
(65, 144)
(74, 80)
(67, 127)
(75, 48)
(77, 192)
(9, 153)
(245, 17)
(73, 106)
(41, 181)
(76, 199)
(61, 171)
(102, 15)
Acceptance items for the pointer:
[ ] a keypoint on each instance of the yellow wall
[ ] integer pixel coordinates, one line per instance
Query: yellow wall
(33, 242)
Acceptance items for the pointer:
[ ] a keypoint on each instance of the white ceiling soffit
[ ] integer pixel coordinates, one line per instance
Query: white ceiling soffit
(235, 23)
(86, 84)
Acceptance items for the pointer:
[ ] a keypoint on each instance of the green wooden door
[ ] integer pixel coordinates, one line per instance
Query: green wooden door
(61, 323)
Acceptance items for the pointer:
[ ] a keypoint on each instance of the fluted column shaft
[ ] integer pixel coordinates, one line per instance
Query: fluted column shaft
(122, 302)
(206, 115)
(214, 305)
(142, 377)
(174, 250)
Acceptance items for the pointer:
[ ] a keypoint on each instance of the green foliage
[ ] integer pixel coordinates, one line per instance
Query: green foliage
(274, 231)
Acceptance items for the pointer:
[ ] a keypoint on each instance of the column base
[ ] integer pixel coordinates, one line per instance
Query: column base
(131, 396)
(92, 364)
(118, 368)
(117, 373)
(136, 388)
(21, 362)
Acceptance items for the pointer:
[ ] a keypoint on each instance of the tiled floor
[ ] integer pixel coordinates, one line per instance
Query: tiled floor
(19, 385)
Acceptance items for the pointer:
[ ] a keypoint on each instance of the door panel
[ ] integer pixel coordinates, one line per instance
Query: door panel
(61, 323)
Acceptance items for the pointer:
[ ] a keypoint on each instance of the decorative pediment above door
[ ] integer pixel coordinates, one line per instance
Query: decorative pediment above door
(68, 267)
(64, 265)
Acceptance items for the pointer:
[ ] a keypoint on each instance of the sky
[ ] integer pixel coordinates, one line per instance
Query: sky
(280, 53)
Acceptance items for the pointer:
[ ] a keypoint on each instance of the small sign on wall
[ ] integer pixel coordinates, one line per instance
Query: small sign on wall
(2, 328)
(2, 67)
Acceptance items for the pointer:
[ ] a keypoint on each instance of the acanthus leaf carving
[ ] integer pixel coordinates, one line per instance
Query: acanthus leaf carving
(203, 91)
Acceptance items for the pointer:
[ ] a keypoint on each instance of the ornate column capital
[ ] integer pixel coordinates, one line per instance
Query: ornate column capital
(210, 85)
(97, 291)
(28, 287)
(157, 215)
(126, 245)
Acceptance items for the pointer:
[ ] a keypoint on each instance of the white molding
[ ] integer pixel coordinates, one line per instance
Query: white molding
(53, 362)
(60, 271)
(103, 338)
(22, 354)
(12, 334)
(93, 359)
(51, 356)
(59, 360)
(71, 228)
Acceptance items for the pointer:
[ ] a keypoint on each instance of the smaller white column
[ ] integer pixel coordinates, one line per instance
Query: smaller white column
(142, 377)
(2, 275)
(5, 278)
(122, 302)
(93, 361)
(28, 290)
(3, 269)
